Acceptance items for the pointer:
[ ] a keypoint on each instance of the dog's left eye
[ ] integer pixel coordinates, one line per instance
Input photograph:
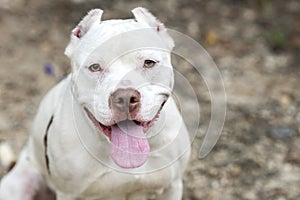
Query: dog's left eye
(95, 67)
(149, 63)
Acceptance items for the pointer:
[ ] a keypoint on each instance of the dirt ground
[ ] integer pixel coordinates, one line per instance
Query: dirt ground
(256, 46)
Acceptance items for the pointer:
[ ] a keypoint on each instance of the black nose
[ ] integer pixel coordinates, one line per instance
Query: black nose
(125, 101)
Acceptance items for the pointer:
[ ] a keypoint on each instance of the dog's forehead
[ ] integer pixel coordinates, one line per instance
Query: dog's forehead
(110, 28)
(118, 22)
(113, 38)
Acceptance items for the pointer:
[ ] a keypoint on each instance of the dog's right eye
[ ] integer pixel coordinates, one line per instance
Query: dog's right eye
(95, 68)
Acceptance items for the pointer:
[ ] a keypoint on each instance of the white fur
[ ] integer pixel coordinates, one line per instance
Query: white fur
(74, 172)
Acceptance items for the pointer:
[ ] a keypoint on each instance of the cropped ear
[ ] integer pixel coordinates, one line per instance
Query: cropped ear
(142, 15)
(82, 28)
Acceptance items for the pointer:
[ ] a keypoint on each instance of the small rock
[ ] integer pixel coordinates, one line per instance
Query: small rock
(211, 38)
(7, 157)
(285, 100)
(193, 29)
(281, 132)
(197, 195)
(250, 195)
(236, 171)
(292, 157)
(249, 15)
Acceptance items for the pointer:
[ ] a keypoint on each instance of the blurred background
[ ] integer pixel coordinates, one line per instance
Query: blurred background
(255, 44)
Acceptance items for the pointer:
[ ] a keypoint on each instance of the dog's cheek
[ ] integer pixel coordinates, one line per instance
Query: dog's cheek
(150, 103)
(83, 87)
(101, 95)
(162, 76)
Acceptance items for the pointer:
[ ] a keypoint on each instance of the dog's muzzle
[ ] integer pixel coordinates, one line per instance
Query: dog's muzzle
(129, 146)
(125, 104)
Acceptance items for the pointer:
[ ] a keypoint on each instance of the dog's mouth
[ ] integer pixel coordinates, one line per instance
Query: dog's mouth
(129, 147)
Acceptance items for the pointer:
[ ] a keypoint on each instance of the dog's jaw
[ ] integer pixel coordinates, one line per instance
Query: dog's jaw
(101, 127)
(129, 146)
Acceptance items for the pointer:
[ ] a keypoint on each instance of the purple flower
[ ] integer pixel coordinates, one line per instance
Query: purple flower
(48, 69)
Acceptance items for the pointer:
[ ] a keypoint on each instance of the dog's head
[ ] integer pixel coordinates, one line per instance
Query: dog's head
(122, 76)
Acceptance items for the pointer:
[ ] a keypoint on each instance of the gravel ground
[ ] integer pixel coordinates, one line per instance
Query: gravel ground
(255, 44)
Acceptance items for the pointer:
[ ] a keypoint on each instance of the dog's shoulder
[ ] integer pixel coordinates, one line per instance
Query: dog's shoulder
(49, 105)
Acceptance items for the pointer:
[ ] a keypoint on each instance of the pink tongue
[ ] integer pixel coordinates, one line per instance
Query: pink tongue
(129, 146)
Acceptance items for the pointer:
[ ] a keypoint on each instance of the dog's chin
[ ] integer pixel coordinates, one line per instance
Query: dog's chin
(129, 146)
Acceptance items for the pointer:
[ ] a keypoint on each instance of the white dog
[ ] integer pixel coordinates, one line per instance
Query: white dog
(110, 130)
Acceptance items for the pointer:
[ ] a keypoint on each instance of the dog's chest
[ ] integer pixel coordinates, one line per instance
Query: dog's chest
(115, 185)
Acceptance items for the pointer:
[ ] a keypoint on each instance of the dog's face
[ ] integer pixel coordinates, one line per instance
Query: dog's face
(122, 76)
